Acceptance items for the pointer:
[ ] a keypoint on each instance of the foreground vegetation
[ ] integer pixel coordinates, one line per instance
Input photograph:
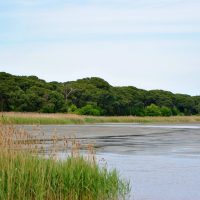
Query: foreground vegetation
(26, 174)
(90, 96)
(38, 118)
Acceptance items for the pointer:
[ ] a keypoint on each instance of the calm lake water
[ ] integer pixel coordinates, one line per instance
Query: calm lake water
(162, 162)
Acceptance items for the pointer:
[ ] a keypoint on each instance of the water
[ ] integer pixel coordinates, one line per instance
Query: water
(161, 161)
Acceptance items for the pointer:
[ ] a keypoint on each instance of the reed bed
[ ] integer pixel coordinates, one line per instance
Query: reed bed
(27, 172)
(40, 118)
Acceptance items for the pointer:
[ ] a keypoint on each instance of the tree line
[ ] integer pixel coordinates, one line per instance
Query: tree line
(90, 96)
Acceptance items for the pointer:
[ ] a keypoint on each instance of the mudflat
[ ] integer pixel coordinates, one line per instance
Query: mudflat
(161, 161)
(127, 138)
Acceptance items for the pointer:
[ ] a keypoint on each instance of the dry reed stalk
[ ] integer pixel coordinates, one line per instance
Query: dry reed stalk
(41, 115)
(30, 176)
(17, 139)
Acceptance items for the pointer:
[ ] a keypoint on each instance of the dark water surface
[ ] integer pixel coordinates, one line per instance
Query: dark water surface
(161, 161)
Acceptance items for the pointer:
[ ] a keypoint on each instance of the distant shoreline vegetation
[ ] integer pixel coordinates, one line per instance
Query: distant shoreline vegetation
(57, 118)
(90, 96)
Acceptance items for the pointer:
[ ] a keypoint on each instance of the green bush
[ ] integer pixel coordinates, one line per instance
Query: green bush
(166, 111)
(153, 110)
(72, 108)
(89, 110)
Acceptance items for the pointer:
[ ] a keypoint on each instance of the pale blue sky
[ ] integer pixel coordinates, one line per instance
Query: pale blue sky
(150, 44)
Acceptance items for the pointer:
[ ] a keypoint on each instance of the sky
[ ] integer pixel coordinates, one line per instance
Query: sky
(149, 44)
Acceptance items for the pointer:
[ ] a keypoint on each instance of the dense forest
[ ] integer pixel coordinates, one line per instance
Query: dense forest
(90, 96)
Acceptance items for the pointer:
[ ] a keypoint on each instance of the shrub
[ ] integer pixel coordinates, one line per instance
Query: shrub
(152, 110)
(166, 111)
(89, 110)
(72, 108)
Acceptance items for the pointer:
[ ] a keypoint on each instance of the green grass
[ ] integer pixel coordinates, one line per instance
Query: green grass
(37, 118)
(24, 176)
(27, 173)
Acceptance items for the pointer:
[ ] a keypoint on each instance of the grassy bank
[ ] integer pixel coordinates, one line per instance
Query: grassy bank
(28, 175)
(37, 118)
(23, 176)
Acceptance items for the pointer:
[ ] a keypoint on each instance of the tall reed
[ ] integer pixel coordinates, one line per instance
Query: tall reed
(25, 173)
(39, 118)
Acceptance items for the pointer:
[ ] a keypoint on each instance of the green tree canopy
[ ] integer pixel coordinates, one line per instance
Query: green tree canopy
(93, 96)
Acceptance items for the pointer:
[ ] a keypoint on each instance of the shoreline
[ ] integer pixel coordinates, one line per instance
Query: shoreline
(61, 119)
